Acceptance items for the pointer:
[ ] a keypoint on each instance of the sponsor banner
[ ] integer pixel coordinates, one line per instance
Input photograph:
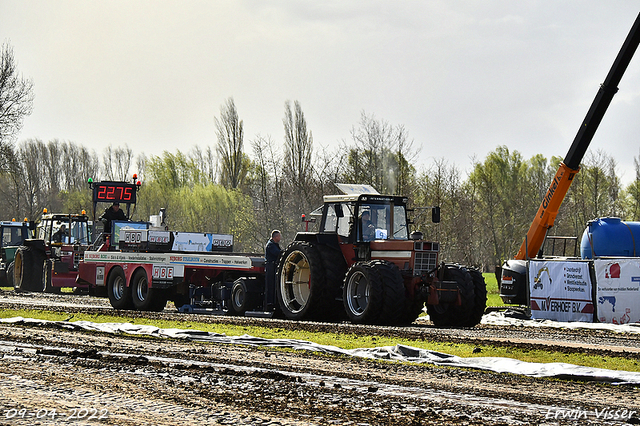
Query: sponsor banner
(195, 242)
(618, 290)
(218, 261)
(560, 291)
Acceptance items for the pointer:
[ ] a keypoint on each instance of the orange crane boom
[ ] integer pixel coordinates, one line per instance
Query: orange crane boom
(550, 205)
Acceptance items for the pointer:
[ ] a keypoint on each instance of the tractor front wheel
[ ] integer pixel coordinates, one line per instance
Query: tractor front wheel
(362, 294)
(449, 314)
(479, 296)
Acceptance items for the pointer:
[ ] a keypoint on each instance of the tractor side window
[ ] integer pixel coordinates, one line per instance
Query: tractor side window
(344, 222)
(44, 230)
(400, 231)
(331, 222)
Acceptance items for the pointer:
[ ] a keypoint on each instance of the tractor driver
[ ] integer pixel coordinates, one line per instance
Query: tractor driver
(111, 214)
(60, 235)
(368, 230)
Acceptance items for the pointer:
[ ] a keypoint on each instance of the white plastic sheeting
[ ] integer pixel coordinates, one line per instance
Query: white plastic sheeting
(399, 353)
(500, 318)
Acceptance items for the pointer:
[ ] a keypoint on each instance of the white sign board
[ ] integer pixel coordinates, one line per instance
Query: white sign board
(560, 291)
(618, 290)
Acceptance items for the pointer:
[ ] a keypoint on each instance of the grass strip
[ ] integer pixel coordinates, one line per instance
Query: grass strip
(351, 341)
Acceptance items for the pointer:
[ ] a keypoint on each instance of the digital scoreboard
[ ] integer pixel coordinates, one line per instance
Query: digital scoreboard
(114, 192)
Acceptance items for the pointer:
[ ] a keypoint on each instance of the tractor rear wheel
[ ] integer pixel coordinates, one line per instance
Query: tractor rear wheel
(146, 298)
(335, 269)
(479, 296)
(119, 293)
(449, 314)
(301, 283)
(28, 269)
(362, 294)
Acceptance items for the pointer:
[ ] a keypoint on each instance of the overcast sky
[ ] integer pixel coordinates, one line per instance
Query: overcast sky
(461, 76)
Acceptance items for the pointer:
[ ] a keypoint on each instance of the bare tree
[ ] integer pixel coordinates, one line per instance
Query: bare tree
(117, 162)
(380, 156)
(234, 163)
(16, 100)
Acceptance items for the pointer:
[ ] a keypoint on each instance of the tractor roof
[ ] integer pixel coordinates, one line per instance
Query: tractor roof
(12, 223)
(351, 191)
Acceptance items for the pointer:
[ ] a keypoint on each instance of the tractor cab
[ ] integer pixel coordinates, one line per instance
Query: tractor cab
(372, 226)
(12, 235)
(58, 230)
(358, 218)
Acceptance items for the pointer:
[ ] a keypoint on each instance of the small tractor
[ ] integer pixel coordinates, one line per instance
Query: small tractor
(50, 261)
(12, 235)
(364, 263)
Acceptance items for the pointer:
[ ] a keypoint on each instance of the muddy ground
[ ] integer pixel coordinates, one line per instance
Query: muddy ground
(52, 376)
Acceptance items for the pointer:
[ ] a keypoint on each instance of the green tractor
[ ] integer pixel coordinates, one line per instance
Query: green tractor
(12, 235)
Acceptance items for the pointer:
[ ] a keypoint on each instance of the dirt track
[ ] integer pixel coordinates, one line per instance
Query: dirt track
(132, 381)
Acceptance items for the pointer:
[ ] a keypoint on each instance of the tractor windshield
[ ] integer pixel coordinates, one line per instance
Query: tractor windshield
(12, 236)
(376, 222)
(65, 231)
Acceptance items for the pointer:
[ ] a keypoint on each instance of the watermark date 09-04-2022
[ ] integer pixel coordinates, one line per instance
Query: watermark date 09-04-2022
(71, 414)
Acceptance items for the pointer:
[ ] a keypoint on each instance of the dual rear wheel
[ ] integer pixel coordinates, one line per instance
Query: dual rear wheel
(138, 295)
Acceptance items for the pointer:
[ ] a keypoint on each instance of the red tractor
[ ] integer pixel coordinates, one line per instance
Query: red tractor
(50, 261)
(365, 264)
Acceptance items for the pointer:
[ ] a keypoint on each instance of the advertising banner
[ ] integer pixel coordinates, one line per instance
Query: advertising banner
(618, 290)
(560, 291)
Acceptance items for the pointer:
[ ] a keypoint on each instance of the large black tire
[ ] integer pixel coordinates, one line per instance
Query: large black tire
(242, 298)
(28, 264)
(393, 292)
(145, 298)
(10, 274)
(362, 294)
(118, 291)
(451, 315)
(47, 274)
(479, 297)
(335, 268)
(301, 283)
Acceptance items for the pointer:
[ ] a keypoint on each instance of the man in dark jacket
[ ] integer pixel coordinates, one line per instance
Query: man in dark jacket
(271, 254)
(111, 214)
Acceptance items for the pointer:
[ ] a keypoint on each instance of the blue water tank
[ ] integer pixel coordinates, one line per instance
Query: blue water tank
(610, 236)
